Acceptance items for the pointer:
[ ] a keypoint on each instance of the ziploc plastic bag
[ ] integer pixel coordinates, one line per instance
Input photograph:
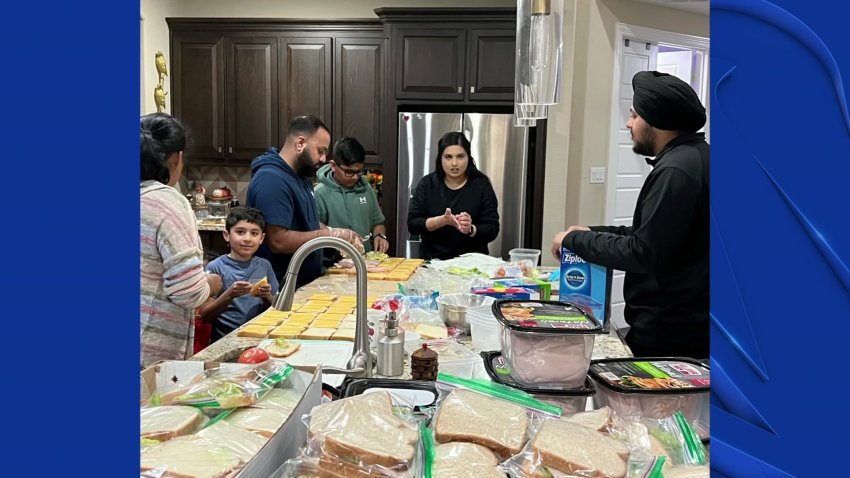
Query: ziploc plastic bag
(489, 414)
(562, 448)
(218, 450)
(370, 434)
(457, 459)
(221, 389)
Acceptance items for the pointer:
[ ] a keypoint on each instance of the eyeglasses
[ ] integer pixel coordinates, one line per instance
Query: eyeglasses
(349, 173)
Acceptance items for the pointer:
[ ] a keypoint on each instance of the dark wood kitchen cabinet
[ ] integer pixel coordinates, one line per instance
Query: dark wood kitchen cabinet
(237, 83)
(456, 64)
(305, 79)
(224, 89)
(358, 93)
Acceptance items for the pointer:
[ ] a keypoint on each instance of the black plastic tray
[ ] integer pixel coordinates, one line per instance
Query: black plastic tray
(360, 385)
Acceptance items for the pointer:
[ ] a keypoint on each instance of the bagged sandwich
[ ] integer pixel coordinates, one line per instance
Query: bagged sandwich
(497, 417)
(374, 434)
(561, 448)
(219, 389)
(457, 459)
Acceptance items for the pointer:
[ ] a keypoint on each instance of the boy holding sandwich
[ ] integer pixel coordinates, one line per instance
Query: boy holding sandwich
(249, 283)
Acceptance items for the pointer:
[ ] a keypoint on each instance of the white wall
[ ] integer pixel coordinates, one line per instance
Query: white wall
(155, 29)
(578, 133)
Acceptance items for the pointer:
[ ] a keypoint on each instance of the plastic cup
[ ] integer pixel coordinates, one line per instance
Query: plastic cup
(532, 255)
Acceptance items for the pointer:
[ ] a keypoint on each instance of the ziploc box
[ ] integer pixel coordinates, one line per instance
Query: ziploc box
(586, 285)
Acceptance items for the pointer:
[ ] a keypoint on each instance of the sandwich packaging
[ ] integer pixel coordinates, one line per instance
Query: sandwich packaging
(281, 445)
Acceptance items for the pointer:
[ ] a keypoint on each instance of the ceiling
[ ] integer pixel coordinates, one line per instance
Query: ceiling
(694, 6)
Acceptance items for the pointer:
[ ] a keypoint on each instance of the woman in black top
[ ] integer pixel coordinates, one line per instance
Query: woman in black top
(454, 209)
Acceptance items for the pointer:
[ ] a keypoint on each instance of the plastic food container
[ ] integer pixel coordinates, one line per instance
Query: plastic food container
(532, 255)
(545, 343)
(484, 329)
(570, 400)
(654, 388)
(452, 357)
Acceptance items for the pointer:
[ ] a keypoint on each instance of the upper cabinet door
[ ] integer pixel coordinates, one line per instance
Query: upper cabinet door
(305, 80)
(197, 73)
(252, 115)
(358, 73)
(492, 62)
(431, 64)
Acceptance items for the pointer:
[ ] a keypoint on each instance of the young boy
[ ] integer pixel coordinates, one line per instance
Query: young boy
(239, 271)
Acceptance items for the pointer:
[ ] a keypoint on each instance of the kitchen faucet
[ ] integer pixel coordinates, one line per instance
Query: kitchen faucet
(360, 363)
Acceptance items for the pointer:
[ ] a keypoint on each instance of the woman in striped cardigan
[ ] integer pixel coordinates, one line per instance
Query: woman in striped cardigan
(173, 281)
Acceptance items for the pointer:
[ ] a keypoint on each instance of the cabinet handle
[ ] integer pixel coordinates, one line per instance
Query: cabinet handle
(460, 89)
(471, 90)
(219, 150)
(230, 150)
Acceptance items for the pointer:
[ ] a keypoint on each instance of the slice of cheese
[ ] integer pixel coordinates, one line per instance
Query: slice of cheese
(343, 335)
(431, 331)
(323, 297)
(317, 333)
(254, 331)
(271, 321)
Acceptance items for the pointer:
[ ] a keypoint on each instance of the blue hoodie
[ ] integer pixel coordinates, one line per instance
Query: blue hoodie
(286, 200)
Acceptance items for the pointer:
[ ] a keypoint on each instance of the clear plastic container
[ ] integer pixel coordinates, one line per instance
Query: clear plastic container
(484, 328)
(654, 388)
(532, 255)
(569, 400)
(452, 357)
(545, 343)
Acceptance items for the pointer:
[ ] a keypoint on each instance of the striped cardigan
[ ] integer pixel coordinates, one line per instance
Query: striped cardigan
(173, 282)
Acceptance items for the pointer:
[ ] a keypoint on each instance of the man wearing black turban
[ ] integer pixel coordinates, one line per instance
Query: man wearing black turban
(665, 251)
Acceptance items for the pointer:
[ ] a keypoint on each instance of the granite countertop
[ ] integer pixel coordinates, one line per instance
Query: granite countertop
(228, 348)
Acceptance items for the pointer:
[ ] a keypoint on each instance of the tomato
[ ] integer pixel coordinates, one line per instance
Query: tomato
(254, 355)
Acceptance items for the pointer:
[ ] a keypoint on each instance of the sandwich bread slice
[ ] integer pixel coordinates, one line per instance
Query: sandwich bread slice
(574, 449)
(190, 457)
(242, 442)
(364, 430)
(472, 417)
(282, 347)
(464, 460)
(265, 421)
(170, 421)
(599, 419)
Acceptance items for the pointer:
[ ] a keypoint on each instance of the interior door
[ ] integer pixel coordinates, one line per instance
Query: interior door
(628, 170)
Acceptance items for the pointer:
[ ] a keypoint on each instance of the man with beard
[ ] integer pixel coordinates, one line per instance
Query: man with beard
(281, 188)
(665, 251)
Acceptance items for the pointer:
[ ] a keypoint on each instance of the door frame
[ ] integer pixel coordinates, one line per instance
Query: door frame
(658, 37)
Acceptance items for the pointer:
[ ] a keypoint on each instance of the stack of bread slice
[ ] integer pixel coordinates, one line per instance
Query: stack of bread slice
(464, 460)
(466, 416)
(361, 436)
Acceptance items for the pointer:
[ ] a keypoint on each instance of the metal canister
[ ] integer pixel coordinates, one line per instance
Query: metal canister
(391, 349)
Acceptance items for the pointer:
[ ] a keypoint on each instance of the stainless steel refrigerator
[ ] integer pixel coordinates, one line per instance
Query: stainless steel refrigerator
(500, 151)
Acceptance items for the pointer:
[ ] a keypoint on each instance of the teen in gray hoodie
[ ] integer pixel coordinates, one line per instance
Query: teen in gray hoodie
(345, 199)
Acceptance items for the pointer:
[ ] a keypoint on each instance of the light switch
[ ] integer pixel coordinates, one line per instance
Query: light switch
(597, 175)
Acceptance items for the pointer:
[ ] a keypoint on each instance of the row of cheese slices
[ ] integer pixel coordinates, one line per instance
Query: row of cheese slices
(321, 317)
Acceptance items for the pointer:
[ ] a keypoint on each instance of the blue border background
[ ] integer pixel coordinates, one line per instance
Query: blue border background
(780, 250)
(70, 288)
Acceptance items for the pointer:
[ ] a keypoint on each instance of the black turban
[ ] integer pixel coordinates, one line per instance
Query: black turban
(666, 102)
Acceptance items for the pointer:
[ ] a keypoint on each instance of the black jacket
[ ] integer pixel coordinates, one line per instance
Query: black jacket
(664, 253)
(431, 198)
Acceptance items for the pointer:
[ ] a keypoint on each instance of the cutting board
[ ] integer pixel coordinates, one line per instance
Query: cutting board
(332, 353)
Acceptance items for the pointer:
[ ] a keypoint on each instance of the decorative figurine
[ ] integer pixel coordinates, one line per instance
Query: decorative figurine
(158, 91)
(159, 98)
